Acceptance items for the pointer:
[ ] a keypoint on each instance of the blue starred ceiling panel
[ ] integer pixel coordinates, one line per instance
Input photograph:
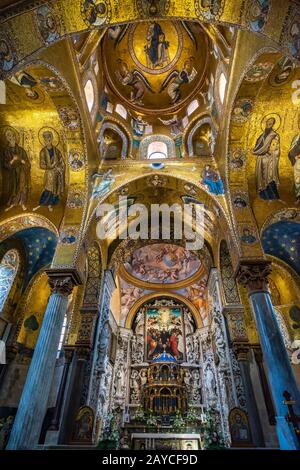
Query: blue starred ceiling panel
(282, 240)
(39, 244)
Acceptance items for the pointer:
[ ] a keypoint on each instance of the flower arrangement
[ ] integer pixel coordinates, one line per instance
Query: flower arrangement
(139, 414)
(178, 422)
(151, 420)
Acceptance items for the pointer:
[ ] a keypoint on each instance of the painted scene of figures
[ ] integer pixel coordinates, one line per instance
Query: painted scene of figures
(164, 332)
(162, 263)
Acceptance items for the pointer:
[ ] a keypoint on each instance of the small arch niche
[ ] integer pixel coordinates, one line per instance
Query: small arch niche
(112, 145)
(202, 140)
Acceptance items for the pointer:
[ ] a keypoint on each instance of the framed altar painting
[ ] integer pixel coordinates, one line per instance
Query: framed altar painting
(164, 332)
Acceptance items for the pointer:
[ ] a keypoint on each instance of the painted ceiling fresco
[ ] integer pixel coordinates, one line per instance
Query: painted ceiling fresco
(157, 65)
(162, 263)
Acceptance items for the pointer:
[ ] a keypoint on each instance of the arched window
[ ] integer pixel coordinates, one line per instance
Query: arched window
(89, 94)
(121, 111)
(192, 107)
(8, 270)
(222, 87)
(157, 150)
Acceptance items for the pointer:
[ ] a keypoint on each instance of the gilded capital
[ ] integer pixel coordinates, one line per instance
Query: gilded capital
(253, 274)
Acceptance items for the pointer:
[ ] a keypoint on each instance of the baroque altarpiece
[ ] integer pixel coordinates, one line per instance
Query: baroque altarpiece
(140, 342)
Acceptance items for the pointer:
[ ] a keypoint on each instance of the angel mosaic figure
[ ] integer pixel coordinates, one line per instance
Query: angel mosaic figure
(135, 80)
(138, 126)
(102, 183)
(176, 79)
(175, 123)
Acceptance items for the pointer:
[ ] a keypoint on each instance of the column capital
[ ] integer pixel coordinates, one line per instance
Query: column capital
(241, 350)
(62, 281)
(253, 274)
(68, 353)
(82, 352)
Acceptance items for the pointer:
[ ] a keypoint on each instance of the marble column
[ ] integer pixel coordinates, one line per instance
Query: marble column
(241, 351)
(253, 274)
(264, 384)
(68, 354)
(33, 403)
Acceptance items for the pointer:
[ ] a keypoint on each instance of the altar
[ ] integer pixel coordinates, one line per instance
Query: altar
(165, 441)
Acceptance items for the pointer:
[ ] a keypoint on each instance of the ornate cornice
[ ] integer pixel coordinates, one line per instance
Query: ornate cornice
(253, 274)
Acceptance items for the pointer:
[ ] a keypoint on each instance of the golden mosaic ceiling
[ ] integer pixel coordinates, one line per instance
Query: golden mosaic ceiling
(155, 66)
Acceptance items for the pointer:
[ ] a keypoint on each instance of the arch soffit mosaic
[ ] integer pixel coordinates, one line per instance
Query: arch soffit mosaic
(64, 256)
(237, 176)
(237, 14)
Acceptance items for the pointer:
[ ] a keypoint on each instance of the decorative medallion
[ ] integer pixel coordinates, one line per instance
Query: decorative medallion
(208, 10)
(96, 12)
(161, 49)
(242, 110)
(156, 181)
(240, 200)
(248, 236)
(48, 24)
(283, 72)
(8, 56)
(258, 14)
(75, 199)
(76, 160)
(237, 158)
(258, 72)
(69, 117)
(68, 236)
(150, 8)
(290, 36)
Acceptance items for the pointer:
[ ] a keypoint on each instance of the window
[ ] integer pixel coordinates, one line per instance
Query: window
(185, 122)
(109, 107)
(62, 337)
(121, 111)
(96, 67)
(89, 94)
(8, 270)
(222, 87)
(2, 92)
(157, 150)
(192, 107)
